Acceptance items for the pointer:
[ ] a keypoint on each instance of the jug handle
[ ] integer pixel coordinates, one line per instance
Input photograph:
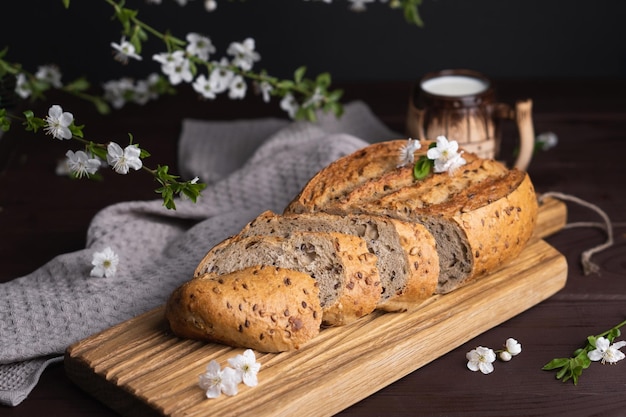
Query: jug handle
(523, 119)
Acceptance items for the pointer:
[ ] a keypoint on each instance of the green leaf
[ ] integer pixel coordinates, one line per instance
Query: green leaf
(422, 168)
(592, 341)
(5, 122)
(299, 74)
(285, 85)
(168, 197)
(613, 334)
(32, 123)
(411, 12)
(97, 150)
(323, 79)
(336, 95)
(561, 373)
(79, 84)
(76, 130)
(192, 191)
(555, 363)
(125, 16)
(102, 106)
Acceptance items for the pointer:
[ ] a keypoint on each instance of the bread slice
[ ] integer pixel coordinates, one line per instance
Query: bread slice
(345, 270)
(481, 216)
(265, 308)
(408, 262)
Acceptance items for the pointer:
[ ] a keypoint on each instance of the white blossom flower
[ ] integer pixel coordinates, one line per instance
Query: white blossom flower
(180, 72)
(58, 122)
(446, 155)
(244, 54)
(175, 65)
(289, 104)
(247, 367)
(204, 86)
(104, 263)
(209, 5)
(164, 58)
(607, 352)
(153, 80)
(125, 50)
(266, 90)
(199, 45)
(80, 164)
(142, 92)
(122, 160)
(22, 87)
(359, 5)
(221, 76)
(215, 380)
(547, 140)
(116, 91)
(452, 164)
(513, 346)
(481, 359)
(406, 152)
(49, 74)
(237, 87)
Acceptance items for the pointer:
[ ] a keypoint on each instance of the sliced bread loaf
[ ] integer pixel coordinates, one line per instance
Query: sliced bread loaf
(481, 215)
(408, 262)
(345, 270)
(264, 308)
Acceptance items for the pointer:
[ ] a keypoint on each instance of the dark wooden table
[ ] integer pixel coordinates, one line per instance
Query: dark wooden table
(43, 215)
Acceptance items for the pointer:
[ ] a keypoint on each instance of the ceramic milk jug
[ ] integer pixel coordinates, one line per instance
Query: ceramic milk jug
(461, 105)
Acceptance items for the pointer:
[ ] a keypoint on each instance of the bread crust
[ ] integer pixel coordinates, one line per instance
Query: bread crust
(264, 308)
(499, 231)
(346, 174)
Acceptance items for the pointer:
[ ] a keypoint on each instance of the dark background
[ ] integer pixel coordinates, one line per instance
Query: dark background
(502, 38)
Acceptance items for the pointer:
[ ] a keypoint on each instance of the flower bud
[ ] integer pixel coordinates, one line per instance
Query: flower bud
(513, 346)
(505, 356)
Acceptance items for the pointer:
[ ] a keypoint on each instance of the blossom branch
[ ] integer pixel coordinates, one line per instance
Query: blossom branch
(300, 97)
(182, 58)
(86, 163)
(48, 78)
(598, 347)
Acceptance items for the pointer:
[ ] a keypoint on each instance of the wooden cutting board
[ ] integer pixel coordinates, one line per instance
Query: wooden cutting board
(140, 368)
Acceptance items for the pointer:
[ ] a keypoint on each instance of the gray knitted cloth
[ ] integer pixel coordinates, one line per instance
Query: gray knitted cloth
(250, 166)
